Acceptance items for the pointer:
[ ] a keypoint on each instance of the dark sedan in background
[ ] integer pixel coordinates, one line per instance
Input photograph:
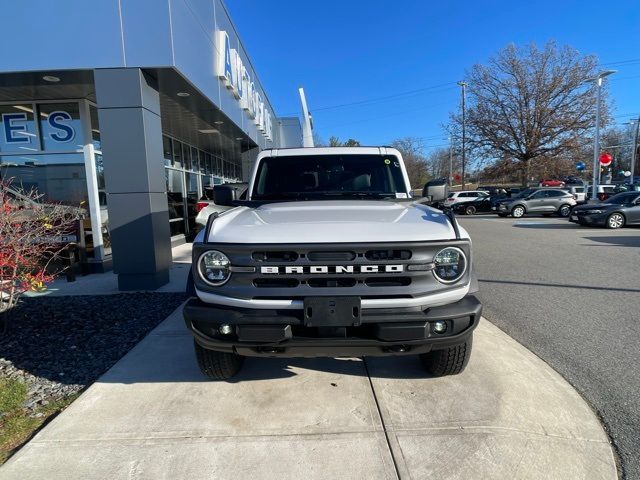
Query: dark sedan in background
(616, 212)
(481, 205)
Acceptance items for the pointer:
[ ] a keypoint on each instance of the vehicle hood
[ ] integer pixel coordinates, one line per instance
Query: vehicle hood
(343, 221)
(597, 206)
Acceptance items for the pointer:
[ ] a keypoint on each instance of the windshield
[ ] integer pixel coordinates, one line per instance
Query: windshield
(622, 198)
(319, 177)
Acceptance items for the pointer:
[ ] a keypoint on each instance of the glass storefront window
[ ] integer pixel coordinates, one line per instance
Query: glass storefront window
(95, 128)
(18, 131)
(60, 127)
(175, 199)
(194, 159)
(186, 155)
(167, 151)
(208, 167)
(177, 154)
(58, 178)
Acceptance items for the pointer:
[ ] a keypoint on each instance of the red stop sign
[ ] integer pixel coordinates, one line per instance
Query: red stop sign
(457, 177)
(605, 158)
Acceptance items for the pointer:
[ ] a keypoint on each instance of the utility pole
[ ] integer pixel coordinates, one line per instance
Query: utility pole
(634, 151)
(463, 85)
(450, 161)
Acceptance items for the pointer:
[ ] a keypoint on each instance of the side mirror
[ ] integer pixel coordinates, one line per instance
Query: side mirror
(224, 195)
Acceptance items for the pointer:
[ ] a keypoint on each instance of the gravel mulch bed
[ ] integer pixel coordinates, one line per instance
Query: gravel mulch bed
(60, 345)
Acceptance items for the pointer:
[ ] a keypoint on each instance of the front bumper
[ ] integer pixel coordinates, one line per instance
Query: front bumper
(590, 219)
(282, 332)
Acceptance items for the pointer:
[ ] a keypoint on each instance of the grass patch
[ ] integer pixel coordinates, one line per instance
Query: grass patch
(16, 426)
(12, 394)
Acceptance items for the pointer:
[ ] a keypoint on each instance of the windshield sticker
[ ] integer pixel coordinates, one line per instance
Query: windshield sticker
(396, 164)
(401, 195)
(387, 161)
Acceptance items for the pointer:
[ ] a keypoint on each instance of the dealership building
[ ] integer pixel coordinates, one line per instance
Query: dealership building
(131, 109)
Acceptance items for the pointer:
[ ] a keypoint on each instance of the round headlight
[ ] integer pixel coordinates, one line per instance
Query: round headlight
(214, 267)
(449, 265)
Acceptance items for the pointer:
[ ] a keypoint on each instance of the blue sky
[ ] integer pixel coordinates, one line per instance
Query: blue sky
(346, 52)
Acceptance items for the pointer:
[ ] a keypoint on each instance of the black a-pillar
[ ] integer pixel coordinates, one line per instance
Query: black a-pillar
(131, 138)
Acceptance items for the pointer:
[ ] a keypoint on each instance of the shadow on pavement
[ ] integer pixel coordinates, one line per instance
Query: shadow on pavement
(618, 241)
(546, 225)
(560, 285)
(170, 358)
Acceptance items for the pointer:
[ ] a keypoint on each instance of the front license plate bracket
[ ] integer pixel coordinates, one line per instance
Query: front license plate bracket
(332, 311)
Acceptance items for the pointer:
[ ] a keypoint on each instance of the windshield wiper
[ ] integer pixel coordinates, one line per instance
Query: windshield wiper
(281, 196)
(358, 193)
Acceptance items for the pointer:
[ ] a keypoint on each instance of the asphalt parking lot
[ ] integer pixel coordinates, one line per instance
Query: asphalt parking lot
(572, 295)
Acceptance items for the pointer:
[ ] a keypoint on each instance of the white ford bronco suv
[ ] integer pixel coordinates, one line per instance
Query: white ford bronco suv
(330, 256)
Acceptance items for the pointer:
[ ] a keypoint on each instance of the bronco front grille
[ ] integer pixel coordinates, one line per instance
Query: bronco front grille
(369, 270)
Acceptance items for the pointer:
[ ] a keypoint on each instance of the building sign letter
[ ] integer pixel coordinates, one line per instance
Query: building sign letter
(14, 132)
(64, 132)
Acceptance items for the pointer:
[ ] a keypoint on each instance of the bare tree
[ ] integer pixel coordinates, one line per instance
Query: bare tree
(529, 103)
(415, 162)
(440, 161)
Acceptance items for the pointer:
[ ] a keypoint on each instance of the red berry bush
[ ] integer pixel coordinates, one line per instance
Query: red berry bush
(33, 234)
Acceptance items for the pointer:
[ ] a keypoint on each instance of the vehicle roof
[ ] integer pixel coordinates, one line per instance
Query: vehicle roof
(289, 152)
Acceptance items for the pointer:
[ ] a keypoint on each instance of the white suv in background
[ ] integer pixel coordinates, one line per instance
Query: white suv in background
(465, 196)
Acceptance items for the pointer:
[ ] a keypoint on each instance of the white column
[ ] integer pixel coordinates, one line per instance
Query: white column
(92, 181)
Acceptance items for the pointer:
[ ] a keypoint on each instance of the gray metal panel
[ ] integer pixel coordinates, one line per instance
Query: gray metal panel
(74, 34)
(126, 88)
(290, 132)
(132, 144)
(134, 174)
(146, 29)
(142, 226)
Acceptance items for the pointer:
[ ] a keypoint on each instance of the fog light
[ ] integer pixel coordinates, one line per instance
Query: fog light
(225, 329)
(440, 327)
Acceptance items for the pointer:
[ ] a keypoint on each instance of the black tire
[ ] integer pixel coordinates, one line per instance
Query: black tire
(615, 220)
(518, 211)
(470, 210)
(449, 361)
(217, 365)
(564, 210)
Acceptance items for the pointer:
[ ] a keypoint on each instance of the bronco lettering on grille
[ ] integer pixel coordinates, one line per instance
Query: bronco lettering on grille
(333, 269)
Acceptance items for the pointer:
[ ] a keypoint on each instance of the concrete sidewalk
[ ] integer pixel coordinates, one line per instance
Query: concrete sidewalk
(107, 283)
(153, 416)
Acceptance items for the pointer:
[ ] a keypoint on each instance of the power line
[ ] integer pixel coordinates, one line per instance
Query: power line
(385, 98)
(622, 62)
(402, 112)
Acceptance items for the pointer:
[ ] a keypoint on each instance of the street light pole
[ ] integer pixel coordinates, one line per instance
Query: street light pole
(464, 125)
(596, 142)
(450, 162)
(634, 150)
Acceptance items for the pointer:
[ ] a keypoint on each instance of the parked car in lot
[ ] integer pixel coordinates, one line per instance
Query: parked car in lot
(551, 183)
(206, 205)
(578, 192)
(491, 190)
(464, 196)
(616, 212)
(602, 191)
(481, 205)
(544, 201)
